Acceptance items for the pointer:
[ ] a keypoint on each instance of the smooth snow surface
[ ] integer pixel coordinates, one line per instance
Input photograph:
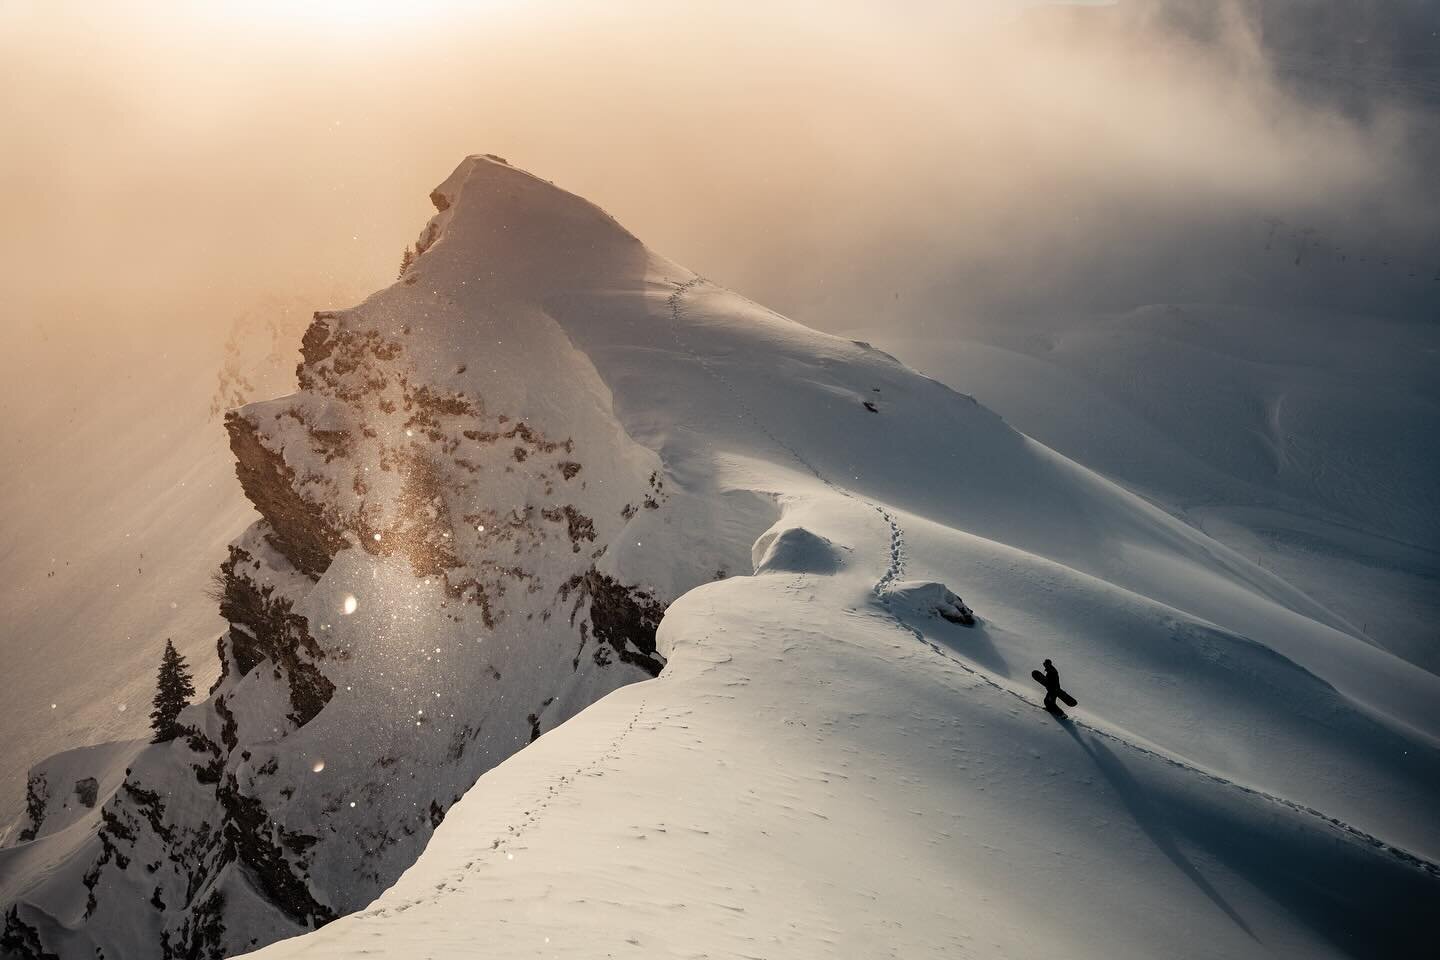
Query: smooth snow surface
(1301, 439)
(827, 768)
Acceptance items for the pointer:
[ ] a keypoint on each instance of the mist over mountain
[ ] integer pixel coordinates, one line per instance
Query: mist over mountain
(547, 464)
(556, 596)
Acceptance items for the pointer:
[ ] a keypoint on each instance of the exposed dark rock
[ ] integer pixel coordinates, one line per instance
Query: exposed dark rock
(272, 631)
(22, 941)
(624, 618)
(36, 793)
(229, 729)
(246, 834)
(87, 790)
(150, 805)
(534, 718)
(577, 526)
(299, 529)
(220, 642)
(202, 935)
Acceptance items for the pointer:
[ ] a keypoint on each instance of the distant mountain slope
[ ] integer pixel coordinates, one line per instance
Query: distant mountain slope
(1297, 437)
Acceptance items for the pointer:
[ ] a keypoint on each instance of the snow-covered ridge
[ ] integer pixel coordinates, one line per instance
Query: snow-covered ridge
(502, 469)
(428, 590)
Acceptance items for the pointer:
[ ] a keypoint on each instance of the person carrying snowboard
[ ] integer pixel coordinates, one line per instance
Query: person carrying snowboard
(1050, 680)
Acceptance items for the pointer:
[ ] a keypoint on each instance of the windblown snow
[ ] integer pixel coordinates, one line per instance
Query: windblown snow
(496, 476)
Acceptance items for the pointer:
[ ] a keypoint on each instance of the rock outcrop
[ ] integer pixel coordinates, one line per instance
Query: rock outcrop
(430, 586)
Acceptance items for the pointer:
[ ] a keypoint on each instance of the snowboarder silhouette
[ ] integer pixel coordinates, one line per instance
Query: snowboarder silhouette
(1050, 680)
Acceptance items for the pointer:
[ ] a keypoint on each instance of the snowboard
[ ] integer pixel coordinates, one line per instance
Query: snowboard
(1060, 695)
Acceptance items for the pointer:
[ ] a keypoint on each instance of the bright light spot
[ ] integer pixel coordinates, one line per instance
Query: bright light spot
(377, 536)
(350, 604)
(53, 706)
(121, 708)
(318, 766)
(437, 649)
(509, 856)
(352, 803)
(481, 528)
(409, 433)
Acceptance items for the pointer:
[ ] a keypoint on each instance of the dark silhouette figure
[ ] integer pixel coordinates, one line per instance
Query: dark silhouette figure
(1050, 680)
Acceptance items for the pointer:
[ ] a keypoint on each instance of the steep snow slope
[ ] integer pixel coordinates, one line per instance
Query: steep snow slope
(826, 766)
(1299, 438)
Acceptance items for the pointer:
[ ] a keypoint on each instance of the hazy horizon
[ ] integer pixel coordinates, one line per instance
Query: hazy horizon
(908, 166)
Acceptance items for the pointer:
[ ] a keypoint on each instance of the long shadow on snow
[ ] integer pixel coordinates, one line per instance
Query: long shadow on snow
(1361, 899)
(1151, 819)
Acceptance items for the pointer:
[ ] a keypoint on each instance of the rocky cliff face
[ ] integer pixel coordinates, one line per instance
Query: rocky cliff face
(431, 587)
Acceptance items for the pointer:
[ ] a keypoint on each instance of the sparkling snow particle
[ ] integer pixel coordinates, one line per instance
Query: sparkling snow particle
(350, 604)
(318, 766)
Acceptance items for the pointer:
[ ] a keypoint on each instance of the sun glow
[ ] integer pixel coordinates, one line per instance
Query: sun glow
(334, 14)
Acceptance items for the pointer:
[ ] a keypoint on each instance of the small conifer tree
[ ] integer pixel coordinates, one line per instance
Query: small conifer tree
(173, 691)
(407, 258)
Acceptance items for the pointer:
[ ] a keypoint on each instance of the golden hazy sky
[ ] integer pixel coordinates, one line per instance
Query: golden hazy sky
(808, 153)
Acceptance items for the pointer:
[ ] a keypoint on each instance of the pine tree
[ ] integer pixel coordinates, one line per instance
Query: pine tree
(407, 258)
(173, 691)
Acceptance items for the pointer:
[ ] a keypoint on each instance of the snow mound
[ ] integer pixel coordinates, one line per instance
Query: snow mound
(932, 599)
(795, 550)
